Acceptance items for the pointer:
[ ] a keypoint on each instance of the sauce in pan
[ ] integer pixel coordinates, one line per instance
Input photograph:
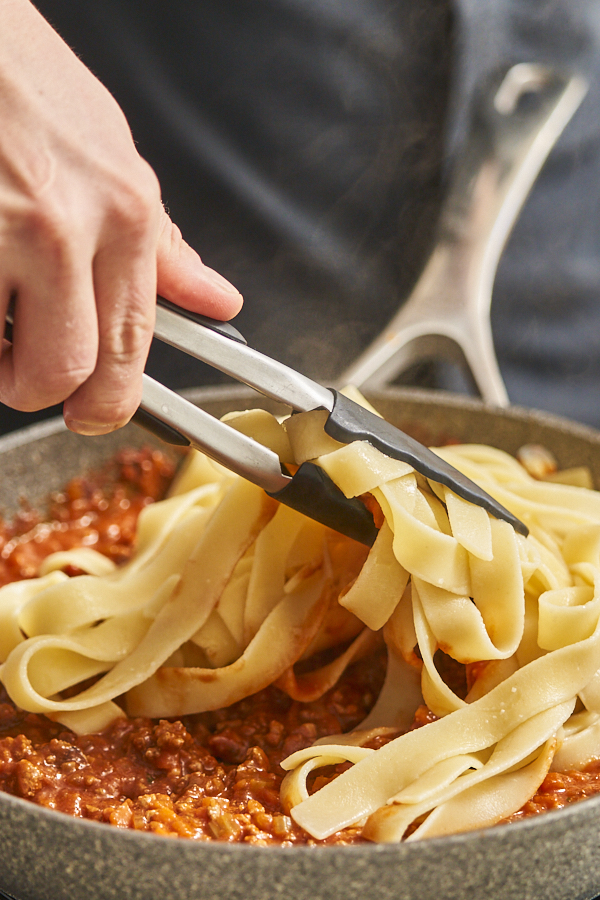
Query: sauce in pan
(212, 776)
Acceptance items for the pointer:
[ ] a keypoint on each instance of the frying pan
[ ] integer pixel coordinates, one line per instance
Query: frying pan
(45, 854)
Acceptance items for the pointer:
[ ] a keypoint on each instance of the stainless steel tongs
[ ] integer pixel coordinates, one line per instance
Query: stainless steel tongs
(446, 314)
(309, 490)
(448, 310)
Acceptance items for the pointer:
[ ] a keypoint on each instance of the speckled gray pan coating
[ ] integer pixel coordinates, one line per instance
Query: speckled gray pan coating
(47, 855)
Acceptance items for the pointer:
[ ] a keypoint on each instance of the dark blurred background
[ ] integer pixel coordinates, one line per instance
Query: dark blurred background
(302, 147)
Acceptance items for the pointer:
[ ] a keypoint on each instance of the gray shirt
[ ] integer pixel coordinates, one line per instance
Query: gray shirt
(302, 146)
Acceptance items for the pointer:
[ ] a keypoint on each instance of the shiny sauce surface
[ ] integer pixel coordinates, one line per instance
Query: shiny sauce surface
(212, 776)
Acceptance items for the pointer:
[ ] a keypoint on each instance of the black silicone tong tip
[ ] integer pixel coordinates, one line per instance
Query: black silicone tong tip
(313, 493)
(350, 422)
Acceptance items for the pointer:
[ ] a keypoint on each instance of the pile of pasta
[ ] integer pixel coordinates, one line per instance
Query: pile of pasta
(229, 592)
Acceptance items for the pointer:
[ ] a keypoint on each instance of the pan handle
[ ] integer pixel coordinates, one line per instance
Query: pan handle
(514, 125)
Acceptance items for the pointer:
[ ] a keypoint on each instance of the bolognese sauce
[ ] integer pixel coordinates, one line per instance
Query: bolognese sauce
(210, 776)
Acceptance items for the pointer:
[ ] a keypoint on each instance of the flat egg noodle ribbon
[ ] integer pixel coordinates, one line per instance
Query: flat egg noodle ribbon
(85, 600)
(87, 559)
(396, 708)
(231, 605)
(489, 624)
(293, 788)
(268, 575)
(169, 531)
(309, 687)
(13, 598)
(282, 637)
(356, 468)
(479, 806)
(497, 793)
(214, 639)
(233, 526)
(379, 585)
(557, 507)
(470, 525)
(437, 695)
(372, 783)
(421, 549)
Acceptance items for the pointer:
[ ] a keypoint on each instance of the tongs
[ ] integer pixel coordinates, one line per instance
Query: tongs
(449, 306)
(309, 490)
(447, 314)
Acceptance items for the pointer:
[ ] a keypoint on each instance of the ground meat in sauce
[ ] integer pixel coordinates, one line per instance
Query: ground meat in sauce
(559, 789)
(99, 512)
(212, 776)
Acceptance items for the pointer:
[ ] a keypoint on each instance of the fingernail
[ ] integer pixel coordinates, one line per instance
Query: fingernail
(91, 428)
(219, 281)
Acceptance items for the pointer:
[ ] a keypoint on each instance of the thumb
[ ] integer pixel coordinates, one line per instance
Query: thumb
(183, 278)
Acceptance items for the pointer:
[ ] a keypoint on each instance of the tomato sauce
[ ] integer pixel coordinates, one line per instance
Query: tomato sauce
(211, 776)
(99, 511)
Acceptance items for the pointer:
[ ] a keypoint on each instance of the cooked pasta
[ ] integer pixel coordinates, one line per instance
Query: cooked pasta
(228, 591)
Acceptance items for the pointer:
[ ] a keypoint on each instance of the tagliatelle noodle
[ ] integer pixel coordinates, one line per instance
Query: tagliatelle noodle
(267, 575)
(314, 684)
(419, 546)
(557, 507)
(84, 558)
(313, 812)
(285, 633)
(227, 591)
(481, 803)
(174, 615)
(13, 599)
(396, 709)
(380, 584)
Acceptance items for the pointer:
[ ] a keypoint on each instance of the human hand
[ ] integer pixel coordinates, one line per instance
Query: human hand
(85, 244)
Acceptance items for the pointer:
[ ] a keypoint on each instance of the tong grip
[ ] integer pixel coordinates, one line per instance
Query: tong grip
(224, 328)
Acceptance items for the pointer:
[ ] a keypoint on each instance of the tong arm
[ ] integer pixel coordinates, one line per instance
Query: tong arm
(228, 352)
(199, 429)
(310, 491)
(350, 422)
(347, 421)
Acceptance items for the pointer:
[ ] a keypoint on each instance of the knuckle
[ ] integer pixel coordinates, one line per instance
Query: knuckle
(116, 412)
(136, 201)
(55, 384)
(125, 338)
(39, 389)
(171, 238)
(106, 406)
(49, 229)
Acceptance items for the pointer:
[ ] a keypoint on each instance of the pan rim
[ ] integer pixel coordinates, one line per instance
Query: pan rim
(215, 393)
(512, 833)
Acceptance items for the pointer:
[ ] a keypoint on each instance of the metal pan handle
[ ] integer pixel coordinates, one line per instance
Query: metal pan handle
(514, 125)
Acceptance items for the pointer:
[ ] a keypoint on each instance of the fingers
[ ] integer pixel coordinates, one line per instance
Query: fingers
(109, 397)
(83, 237)
(185, 280)
(125, 285)
(125, 293)
(54, 347)
(82, 330)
